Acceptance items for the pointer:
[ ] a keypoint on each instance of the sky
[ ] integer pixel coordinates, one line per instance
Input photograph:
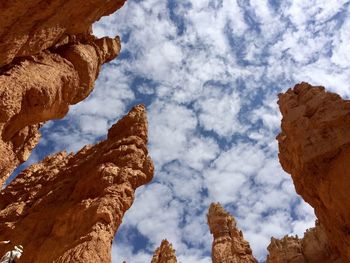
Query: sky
(209, 72)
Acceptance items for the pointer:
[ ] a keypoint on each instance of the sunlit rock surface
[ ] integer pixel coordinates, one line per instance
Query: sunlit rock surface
(42, 88)
(228, 246)
(312, 248)
(28, 27)
(314, 149)
(165, 253)
(48, 61)
(68, 207)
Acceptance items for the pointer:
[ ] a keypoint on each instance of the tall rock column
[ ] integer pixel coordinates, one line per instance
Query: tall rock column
(68, 207)
(229, 245)
(314, 147)
(165, 253)
(49, 60)
(41, 88)
(312, 248)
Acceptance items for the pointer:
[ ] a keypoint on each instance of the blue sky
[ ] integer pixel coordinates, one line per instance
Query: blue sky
(209, 73)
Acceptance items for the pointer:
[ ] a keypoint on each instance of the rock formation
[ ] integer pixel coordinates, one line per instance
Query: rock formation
(229, 245)
(314, 149)
(48, 61)
(28, 27)
(41, 88)
(68, 207)
(164, 254)
(312, 248)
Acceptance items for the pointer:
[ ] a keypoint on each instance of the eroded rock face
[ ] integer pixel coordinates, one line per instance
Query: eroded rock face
(41, 88)
(165, 253)
(28, 27)
(229, 245)
(315, 149)
(68, 207)
(312, 248)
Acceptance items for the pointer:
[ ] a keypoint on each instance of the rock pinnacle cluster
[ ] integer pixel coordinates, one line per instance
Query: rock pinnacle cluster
(68, 207)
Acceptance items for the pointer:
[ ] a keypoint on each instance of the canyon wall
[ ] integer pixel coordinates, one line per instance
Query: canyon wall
(28, 27)
(68, 207)
(228, 246)
(314, 149)
(48, 61)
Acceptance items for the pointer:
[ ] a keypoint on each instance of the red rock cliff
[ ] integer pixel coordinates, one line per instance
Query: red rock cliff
(68, 207)
(229, 245)
(28, 27)
(165, 253)
(48, 61)
(41, 88)
(314, 149)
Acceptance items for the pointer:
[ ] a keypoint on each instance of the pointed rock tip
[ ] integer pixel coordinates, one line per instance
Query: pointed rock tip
(133, 124)
(217, 209)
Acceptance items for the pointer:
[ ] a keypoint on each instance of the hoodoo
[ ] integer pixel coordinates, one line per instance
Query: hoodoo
(68, 207)
(49, 60)
(165, 253)
(229, 246)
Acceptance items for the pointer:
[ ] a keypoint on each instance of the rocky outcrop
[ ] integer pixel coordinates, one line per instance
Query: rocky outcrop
(165, 253)
(68, 207)
(312, 248)
(229, 245)
(28, 27)
(41, 88)
(314, 149)
(48, 61)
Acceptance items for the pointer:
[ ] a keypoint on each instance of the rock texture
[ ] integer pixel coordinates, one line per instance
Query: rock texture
(312, 248)
(68, 207)
(28, 27)
(165, 253)
(41, 88)
(229, 245)
(314, 149)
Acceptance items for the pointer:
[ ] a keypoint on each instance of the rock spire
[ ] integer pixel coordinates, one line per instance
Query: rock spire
(68, 207)
(165, 253)
(228, 245)
(41, 88)
(312, 248)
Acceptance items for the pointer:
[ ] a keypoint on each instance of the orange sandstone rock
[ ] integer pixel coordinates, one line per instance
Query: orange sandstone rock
(165, 253)
(41, 88)
(28, 27)
(68, 207)
(314, 148)
(312, 248)
(229, 245)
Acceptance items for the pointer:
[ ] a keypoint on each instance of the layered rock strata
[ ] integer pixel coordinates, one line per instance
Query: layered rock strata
(314, 148)
(68, 207)
(28, 27)
(229, 245)
(42, 87)
(165, 253)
